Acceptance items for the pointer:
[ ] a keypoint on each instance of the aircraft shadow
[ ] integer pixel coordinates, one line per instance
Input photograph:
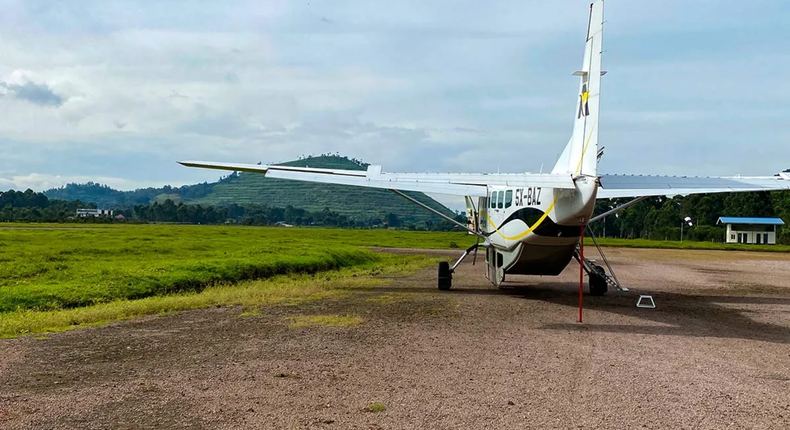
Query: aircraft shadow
(676, 314)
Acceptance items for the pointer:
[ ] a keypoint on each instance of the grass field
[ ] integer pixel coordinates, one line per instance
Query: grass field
(249, 295)
(85, 274)
(65, 268)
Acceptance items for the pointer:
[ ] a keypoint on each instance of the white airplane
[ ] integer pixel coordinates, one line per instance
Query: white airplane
(531, 223)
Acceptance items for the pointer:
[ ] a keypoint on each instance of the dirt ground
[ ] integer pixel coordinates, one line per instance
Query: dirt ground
(715, 354)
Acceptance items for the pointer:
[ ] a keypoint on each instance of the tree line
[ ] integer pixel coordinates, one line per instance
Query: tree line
(660, 218)
(29, 206)
(255, 214)
(657, 218)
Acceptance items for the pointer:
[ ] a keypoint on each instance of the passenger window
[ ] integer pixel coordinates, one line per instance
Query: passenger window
(500, 200)
(508, 198)
(493, 200)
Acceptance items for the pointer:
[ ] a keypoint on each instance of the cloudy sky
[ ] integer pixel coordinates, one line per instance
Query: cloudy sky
(115, 91)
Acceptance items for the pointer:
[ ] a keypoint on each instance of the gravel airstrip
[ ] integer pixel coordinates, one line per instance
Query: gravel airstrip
(714, 354)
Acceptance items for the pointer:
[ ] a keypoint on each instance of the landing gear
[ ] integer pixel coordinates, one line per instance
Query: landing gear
(445, 276)
(446, 272)
(597, 281)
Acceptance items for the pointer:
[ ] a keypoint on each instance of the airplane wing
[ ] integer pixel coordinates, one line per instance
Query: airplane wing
(614, 186)
(461, 184)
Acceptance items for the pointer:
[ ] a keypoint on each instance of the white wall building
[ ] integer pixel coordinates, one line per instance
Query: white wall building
(85, 213)
(760, 231)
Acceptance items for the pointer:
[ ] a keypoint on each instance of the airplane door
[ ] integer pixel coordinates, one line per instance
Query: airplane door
(494, 270)
(500, 271)
(482, 210)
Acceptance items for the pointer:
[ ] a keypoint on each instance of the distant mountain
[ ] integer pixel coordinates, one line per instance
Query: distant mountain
(252, 188)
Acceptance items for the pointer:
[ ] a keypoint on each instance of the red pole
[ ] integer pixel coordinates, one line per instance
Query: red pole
(581, 273)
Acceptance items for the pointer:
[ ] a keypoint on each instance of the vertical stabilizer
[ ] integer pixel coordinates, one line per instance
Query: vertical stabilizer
(580, 155)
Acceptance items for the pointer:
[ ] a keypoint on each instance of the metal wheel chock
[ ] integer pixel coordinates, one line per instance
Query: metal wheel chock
(651, 304)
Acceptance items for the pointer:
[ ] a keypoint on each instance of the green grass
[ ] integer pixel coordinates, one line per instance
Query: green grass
(50, 269)
(686, 244)
(325, 321)
(375, 407)
(54, 279)
(249, 295)
(250, 313)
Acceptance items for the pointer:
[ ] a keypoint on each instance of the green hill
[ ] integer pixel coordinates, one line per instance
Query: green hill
(251, 188)
(355, 202)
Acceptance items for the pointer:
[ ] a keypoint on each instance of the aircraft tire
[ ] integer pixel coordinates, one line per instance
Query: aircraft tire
(445, 277)
(598, 285)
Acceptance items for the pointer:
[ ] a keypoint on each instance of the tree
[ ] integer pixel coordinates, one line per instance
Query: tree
(393, 220)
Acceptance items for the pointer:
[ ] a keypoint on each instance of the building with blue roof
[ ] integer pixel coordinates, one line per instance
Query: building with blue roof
(760, 231)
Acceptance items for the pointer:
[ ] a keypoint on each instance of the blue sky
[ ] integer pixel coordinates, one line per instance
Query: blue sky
(118, 91)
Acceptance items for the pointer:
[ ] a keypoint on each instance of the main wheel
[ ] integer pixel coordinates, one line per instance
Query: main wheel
(445, 277)
(598, 285)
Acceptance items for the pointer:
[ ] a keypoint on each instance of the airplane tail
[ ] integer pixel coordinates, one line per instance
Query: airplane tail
(580, 156)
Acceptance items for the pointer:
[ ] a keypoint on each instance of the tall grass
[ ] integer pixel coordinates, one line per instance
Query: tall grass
(50, 269)
(285, 289)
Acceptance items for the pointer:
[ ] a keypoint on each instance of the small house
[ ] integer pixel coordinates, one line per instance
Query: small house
(96, 213)
(759, 231)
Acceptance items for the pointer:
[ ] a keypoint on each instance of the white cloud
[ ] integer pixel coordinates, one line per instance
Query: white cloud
(126, 90)
(43, 181)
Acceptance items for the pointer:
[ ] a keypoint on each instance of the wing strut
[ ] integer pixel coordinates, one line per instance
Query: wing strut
(428, 208)
(617, 209)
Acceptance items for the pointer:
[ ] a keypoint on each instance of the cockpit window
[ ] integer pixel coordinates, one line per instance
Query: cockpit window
(493, 200)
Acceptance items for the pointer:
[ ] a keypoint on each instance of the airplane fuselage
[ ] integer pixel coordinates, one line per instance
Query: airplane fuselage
(534, 230)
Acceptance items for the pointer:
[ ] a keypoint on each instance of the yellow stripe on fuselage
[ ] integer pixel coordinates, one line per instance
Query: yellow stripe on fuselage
(519, 236)
(584, 151)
